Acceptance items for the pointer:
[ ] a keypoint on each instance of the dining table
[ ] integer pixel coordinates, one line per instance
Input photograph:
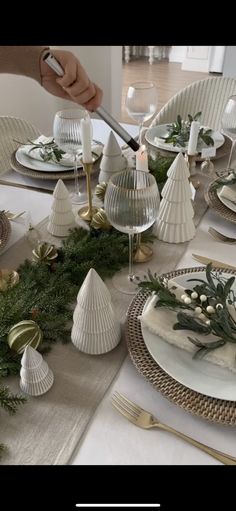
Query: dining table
(108, 437)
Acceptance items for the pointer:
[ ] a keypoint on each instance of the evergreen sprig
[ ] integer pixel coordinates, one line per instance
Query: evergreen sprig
(9, 401)
(218, 294)
(179, 131)
(230, 180)
(48, 150)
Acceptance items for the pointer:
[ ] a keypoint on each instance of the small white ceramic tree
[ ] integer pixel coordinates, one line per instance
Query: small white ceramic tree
(175, 220)
(112, 160)
(36, 377)
(61, 218)
(95, 328)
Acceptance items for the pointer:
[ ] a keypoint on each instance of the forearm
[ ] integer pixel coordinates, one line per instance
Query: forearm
(22, 60)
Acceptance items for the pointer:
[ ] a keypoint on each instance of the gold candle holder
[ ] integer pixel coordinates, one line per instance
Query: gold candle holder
(191, 162)
(143, 252)
(87, 212)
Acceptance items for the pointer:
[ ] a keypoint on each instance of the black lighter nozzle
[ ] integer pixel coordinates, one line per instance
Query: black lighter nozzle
(133, 144)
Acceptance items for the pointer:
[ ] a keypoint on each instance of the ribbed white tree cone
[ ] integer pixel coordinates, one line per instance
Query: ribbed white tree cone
(36, 377)
(93, 294)
(96, 344)
(94, 321)
(176, 191)
(112, 147)
(113, 164)
(62, 205)
(66, 218)
(175, 233)
(60, 190)
(175, 212)
(59, 230)
(178, 171)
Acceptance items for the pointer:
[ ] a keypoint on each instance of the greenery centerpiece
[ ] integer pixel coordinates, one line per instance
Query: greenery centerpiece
(179, 132)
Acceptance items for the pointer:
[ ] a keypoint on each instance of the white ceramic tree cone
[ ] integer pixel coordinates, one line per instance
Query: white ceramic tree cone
(113, 164)
(112, 147)
(62, 205)
(96, 344)
(175, 212)
(31, 358)
(93, 294)
(66, 218)
(172, 233)
(176, 191)
(95, 321)
(59, 230)
(60, 191)
(178, 170)
(36, 374)
(37, 388)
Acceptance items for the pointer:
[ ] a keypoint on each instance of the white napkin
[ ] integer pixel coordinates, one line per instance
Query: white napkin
(229, 192)
(161, 320)
(67, 159)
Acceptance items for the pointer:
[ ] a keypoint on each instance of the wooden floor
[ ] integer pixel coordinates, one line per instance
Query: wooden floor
(168, 77)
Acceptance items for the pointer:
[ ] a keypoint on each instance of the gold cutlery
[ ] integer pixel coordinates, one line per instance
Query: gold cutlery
(26, 187)
(217, 264)
(140, 417)
(220, 237)
(13, 216)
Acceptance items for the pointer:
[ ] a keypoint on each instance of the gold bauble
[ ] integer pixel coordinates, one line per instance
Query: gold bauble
(100, 190)
(99, 221)
(8, 278)
(44, 253)
(24, 333)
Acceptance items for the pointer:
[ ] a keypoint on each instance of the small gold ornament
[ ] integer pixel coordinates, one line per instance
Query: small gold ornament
(44, 253)
(24, 333)
(99, 221)
(207, 166)
(8, 278)
(100, 190)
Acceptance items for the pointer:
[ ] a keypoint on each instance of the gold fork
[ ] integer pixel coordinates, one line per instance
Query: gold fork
(135, 414)
(13, 216)
(220, 237)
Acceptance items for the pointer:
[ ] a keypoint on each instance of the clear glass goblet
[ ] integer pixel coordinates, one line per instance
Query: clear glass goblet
(141, 103)
(131, 203)
(228, 123)
(66, 132)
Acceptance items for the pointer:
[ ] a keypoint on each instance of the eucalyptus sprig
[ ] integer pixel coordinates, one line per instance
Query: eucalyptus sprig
(228, 181)
(48, 150)
(203, 309)
(179, 131)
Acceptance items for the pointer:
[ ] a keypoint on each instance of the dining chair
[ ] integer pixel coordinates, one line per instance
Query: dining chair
(13, 129)
(208, 96)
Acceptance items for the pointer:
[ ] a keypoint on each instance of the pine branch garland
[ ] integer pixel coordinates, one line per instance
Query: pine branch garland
(9, 401)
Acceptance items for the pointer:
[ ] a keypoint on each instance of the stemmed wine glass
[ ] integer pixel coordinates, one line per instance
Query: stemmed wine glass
(66, 132)
(141, 102)
(228, 123)
(131, 203)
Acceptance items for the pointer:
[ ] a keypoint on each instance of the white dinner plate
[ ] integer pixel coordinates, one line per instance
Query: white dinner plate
(153, 137)
(228, 203)
(199, 375)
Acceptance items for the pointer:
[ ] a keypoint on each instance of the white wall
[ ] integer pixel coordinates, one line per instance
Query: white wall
(229, 66)
(177, 53)
(25, 98)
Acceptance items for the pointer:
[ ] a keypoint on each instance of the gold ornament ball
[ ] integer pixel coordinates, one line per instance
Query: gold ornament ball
(100, 190)
(24, 333)
(44, 252)
(99, 221)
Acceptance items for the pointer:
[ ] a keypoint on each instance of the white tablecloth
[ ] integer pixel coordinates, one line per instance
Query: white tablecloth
(110, 439)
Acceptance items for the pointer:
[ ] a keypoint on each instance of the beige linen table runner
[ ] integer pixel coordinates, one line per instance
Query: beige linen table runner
(47, 429)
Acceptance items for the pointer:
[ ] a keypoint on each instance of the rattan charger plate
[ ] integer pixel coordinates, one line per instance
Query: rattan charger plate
(214, 202)
(212, 409)
(68, 174)
(5, 230)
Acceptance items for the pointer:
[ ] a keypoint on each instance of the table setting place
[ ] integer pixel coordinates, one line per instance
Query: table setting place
(118, 294)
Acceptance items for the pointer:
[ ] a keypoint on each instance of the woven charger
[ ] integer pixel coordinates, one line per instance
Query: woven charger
(68, 174)
(5, 230)
(212, 409)
(214, 202)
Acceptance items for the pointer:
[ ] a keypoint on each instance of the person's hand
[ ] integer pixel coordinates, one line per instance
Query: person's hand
(74, 85)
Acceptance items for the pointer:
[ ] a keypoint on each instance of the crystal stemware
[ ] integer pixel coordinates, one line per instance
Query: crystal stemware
(131, 204)
(141, 102)
(66, 132)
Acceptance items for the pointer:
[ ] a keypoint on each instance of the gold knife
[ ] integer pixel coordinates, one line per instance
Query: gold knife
(217, 264)
(26, 187)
